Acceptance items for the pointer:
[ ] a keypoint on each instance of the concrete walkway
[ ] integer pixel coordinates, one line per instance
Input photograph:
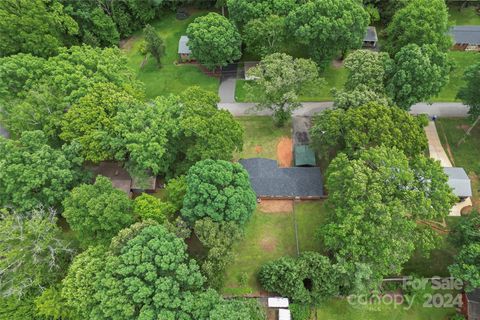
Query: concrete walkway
(435, 147)
(437, 152)
(439, 109)
(226, 90)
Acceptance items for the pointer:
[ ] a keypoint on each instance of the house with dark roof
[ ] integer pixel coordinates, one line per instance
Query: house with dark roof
(466, 37)
(370, 39)
(459, 181)
(271, 182)
(184, 52)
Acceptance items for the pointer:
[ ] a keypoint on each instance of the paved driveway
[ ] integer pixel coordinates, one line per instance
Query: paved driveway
(435, 147)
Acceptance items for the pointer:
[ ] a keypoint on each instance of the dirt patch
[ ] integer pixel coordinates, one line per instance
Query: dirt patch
(275, 206)
(268, 244)
(258, 149)
(127, 44)
(284, 152)
(337, 63)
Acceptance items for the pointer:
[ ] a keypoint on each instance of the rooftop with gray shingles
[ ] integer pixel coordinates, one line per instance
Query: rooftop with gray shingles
(182, 45)
(268, 180)
(371, 35)
(466, 34)
(459, 181)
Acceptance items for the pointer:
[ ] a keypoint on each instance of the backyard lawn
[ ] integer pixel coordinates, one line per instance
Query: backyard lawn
(341, 310)
(463, 17)
(310, 215)
(170, 78)
(335, 77)
(261, 137)
(268, 236)
(462, 60)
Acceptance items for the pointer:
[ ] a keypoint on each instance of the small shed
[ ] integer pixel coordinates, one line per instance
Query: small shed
(304, 156)
(370, 39)
(472, 301)
(278, 302)
(284, 314)
(184, 52)
(459, 181)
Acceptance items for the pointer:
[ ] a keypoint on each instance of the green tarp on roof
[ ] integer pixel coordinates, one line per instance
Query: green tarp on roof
(304, 156)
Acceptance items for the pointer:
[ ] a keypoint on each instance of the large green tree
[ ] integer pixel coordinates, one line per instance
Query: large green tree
(32, 173)
(416, 74)
(33, 26)
(378, 199)
(309, 278)
(35, 93)
(265, 36)
(368, 126)
(219, 190)
(420, 22)
(146, 207)
(34, 253)
(366, 68)
(467, 230)
(197, 130)
(97, 212)
(214, 40)
(89, 121)
(466, 266)
(279, 80)
(147, 274)
(328, 27)
(243, 11)
(470, 92)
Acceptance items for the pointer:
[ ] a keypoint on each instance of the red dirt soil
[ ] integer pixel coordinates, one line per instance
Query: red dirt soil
(284, 152)
(276, 206)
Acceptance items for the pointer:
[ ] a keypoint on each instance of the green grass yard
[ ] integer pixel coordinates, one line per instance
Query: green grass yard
(341, 310)
(310, 215)
(335, 77)
(462, 60)
(170, 78)
(268, 236)
(463, 17)
(261, 137)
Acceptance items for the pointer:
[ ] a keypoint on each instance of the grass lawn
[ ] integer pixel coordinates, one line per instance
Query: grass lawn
(268, 236)
(310, 215)
(463, 17)
(462, 60)
(341, 310)
(261, 137)
(467, 155)
(170, 78)
(335, 77)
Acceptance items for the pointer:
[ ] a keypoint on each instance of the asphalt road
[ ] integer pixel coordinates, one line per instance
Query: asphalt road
(439, 109)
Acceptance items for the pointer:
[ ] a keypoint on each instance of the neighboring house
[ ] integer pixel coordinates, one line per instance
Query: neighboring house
(184, 52)
(466, 37)
(459, 181)
(122, 180)
(271, 182)
(471, 304)
(370, 39)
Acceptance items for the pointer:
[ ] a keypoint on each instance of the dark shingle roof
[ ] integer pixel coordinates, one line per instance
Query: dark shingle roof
(458, 181)
(466, 34)
(268, 180)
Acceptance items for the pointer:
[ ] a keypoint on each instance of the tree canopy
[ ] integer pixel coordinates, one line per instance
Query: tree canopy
(219, 190)
(34, 253)
(279, 80)
(470, 92)
(368, 126)
(34, 174)
(416, 74)
(243, 11)
(214, 40)
(34, 26)
(146, 275)
(378, 198)
(146, 206)
(420, 22)
(97, 212)
(154, 44)
(466, 266)
(328, 27)
(265, 36)
(366, 68)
